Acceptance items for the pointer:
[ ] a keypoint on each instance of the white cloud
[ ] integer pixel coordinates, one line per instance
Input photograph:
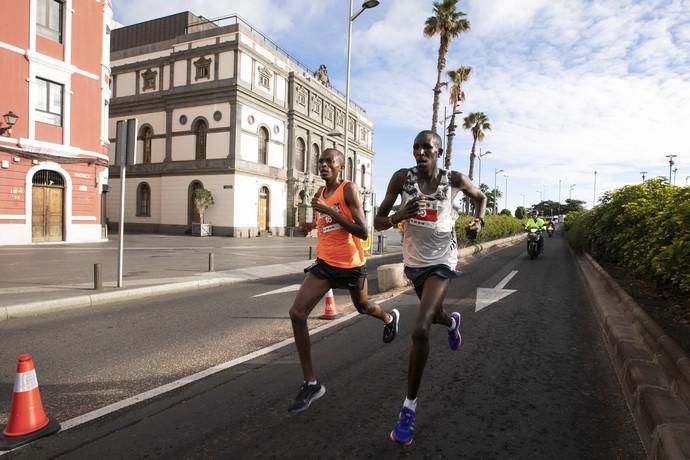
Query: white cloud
(570, 86)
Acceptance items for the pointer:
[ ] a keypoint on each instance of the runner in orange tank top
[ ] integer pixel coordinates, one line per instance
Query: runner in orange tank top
(339, 264)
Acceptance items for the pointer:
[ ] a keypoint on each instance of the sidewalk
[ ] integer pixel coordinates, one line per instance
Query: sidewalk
(50, 277)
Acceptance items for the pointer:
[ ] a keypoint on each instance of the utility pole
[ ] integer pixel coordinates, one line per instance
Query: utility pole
(559, 197)
(670, 166)
(594, 197)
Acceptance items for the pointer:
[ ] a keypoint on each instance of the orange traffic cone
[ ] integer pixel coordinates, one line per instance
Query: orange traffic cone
(28, 420)
(329, 311)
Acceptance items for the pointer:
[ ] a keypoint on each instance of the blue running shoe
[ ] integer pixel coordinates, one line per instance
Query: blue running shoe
(307, 395)
(404, 429)
(454, 337)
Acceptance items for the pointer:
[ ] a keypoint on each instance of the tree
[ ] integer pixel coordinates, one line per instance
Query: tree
(457, 95)
(491, 199)
(505, 212)
(202, 199)
(477, 122)
(572, 206)
(448, 23)
(520, 212)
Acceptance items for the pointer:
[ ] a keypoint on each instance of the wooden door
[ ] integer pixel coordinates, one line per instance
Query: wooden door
(47, 214)
(263, 209)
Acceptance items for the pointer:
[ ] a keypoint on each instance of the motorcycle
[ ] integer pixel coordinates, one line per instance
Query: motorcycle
(549, 230)
(533, 237)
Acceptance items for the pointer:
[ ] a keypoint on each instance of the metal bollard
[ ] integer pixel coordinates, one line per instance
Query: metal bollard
(97, 277)
(211, 264)
(380, 244)
(309, 252)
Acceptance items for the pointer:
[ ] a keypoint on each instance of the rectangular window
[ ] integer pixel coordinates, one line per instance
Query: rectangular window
(49, 102)
(49, 18)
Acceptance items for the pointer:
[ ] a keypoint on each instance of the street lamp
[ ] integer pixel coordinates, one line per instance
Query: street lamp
(675, 174)
(644, 174)
(670, 166)
(445, 119)
(540, 196)
(570, 193)
(350, 19)
(496, 171)
(594, 197)
(506, 198)
(10, 120)
(479, 180)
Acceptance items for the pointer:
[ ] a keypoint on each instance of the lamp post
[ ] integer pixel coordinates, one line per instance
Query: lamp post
(506, 197)
(541, 197)
(479, 179)
(644, 174)
(350, 19)
(445, 119)
(570, 192)
(670, 166)
(496, 171)
(594, 197)
(675, 174)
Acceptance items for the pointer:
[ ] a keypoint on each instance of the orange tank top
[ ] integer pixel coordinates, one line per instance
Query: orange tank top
(337, 246)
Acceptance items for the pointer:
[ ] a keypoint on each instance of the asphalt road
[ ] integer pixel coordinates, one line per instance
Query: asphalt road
(532, 379)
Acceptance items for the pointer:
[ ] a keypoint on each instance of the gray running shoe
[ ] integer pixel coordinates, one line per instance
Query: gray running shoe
(307, 394)
(390, 330)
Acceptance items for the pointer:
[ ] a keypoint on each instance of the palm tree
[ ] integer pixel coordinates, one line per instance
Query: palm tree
(478, 122)
(457, 95)
(448, 23)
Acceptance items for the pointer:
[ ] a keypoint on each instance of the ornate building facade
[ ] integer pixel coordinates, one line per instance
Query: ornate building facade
(220, 106)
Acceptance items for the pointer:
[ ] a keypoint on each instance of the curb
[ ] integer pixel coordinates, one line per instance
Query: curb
(653, 371)
(41, 307)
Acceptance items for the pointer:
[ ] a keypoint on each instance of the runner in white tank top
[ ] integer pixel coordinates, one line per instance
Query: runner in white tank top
(429, 253)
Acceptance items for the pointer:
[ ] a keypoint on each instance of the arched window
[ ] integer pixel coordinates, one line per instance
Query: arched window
(200, 132)
(299, 154)
(144, 200)
(147, 137)
(263, 145)
(364, 172)
(349, 170)
(315, 159)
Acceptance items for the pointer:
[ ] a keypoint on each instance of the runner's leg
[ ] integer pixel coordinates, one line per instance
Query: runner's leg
(309, 294)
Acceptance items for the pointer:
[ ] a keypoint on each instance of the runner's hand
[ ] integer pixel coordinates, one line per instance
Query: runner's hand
(473, 228)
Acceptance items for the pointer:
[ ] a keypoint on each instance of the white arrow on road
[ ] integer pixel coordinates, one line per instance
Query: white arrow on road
(487, 296)
(292, 287)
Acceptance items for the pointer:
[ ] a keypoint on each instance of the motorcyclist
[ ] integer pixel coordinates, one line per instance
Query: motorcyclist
(536, 222)
(551, 226)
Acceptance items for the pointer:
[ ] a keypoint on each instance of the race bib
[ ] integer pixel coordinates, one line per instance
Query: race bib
(426, 217)
(327, 224)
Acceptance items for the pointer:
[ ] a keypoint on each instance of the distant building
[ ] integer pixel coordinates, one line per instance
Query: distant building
(54, 59)
(220, 106)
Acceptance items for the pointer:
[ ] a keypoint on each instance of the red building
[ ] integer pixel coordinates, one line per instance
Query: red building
(54, 59)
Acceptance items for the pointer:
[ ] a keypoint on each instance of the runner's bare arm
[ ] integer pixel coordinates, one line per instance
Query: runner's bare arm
(357, 226)
(462, 182)
(383, 221)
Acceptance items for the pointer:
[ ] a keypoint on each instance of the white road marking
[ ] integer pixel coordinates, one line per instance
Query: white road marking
(84, 418)
(292, 287)
(487, 296)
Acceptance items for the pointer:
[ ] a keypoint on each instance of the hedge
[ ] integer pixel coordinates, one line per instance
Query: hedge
(644, 228)
(495, 227)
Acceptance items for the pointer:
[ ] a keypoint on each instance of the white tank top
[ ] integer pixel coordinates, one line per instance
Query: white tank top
(429, 238)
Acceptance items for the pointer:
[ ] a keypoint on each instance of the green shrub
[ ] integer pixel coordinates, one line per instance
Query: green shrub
(644, 228)
(495, 227)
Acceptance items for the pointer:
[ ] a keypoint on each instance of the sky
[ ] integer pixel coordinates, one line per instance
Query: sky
(571, 87)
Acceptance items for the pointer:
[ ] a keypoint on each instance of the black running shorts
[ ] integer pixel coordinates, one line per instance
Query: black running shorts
(340, 278)
(418, 275)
